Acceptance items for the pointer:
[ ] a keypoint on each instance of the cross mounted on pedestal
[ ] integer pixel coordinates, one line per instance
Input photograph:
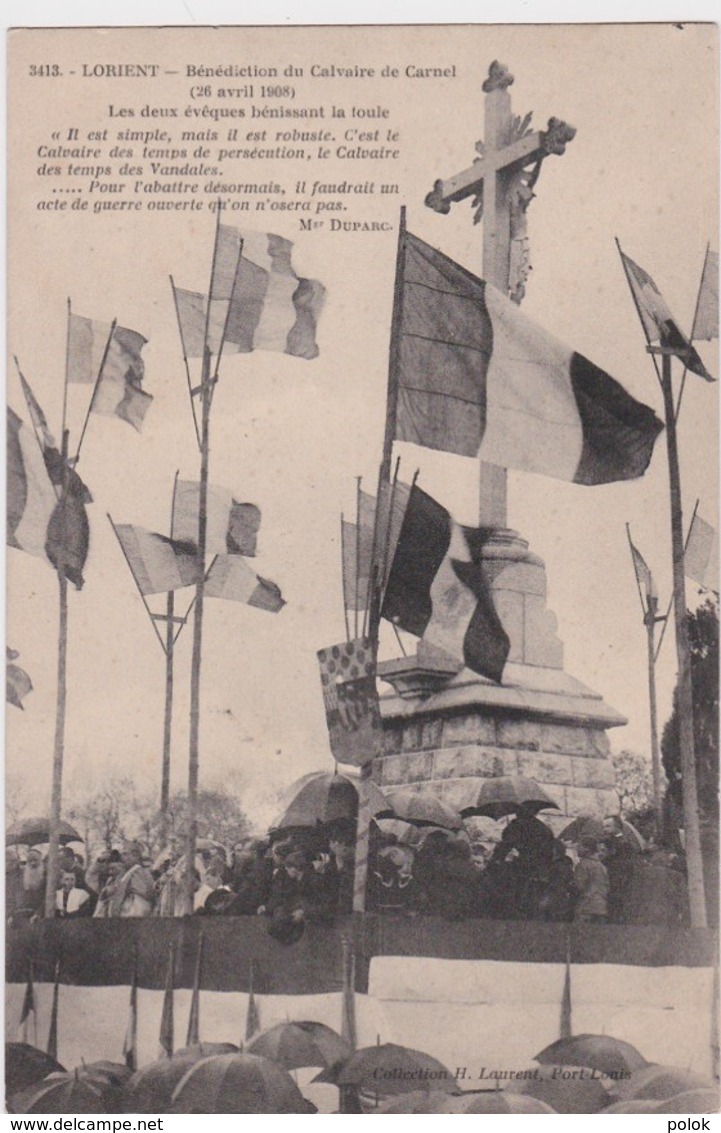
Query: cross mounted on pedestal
(501, 182)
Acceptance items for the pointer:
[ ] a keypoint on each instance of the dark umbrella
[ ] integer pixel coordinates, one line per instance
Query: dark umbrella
(657, 1082)
(323, 797)
(691, 1101)
(31, 831)
(202, 1050)
(150, 1089)
(567, 1089)
(26, 1064)
(586, 826)
(599, 1052)
(498, 1101)
(116, 1072)
(422, 808)
(303, 1043)
(60, 1093)
(419, 1101)
(632, 1105)
(389, 1069)
(237, 1083)
(504, 795)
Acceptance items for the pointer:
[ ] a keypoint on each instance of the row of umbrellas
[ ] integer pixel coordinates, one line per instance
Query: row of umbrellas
(581, 1074)
(322, 798)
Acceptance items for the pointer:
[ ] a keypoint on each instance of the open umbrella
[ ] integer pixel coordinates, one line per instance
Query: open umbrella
(599, 1052)
(26, 1064)
(589, 827)
(32, 831)
(499, 1101)
(323, 797)
(297, 1044)
(691, 1101)
(237, 1083)
(202, 1050)
(503, 795)
(423, 808)
(61, 1093)
(151, 1088)
(390, 1069)
(567, 1089)
(656, 1082)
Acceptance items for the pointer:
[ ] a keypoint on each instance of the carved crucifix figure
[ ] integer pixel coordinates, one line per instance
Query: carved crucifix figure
(500, 183)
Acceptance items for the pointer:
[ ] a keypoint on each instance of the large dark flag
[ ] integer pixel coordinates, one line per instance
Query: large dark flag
(438, 590)
(658, 323)
(478, 378)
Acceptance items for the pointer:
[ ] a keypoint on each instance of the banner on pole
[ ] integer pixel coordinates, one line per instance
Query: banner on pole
(348, 679)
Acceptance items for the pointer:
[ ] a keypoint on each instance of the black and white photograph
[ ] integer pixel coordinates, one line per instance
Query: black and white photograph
(362, 621)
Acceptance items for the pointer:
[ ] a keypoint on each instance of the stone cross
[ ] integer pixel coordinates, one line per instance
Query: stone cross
(501, 182)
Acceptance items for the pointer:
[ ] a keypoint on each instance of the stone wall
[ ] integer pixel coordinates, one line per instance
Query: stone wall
(452, 753)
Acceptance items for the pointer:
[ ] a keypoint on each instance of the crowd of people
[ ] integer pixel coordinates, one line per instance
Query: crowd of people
(300, 875)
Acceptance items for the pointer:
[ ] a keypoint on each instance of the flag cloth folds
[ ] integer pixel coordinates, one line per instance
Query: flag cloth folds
(37, 416)
(31, 498)
(437, 589)
(166, 1037)
(478, 378)
(705, 323)
(566, 1024)
(257, 301)
(252, 1017)
(28, 1013)
(17, 682)
(659, 324)
(357, 553)
(643, 573)
(130, 1042)
(158, 564)
(230, 577)
(350, 698)
(231, 527)
(52, 1047)
(110, 356)
(193, 1035)
(701, 558)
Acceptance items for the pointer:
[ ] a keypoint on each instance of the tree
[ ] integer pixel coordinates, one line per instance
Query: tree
(634, 782)
(119, 813)
(703, 628)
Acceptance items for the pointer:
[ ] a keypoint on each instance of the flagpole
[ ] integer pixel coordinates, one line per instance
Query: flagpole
(95, 390)
(693, 331)
(56, 793)
(52, 1045)
(692, 846)
(185, 360)
(670, 601)
(67, 366)
(193, 759)
(168, 714)
(193, 1036)
(357, 552)
(148, 611)
(649, 610)
(374, 606)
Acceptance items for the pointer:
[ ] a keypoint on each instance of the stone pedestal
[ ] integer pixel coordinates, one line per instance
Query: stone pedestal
(451, 731)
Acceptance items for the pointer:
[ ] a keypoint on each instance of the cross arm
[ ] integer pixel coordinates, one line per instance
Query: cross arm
(535, 146)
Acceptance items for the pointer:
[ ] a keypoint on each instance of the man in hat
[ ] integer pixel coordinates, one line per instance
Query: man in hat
(590, 884)
(134, 893)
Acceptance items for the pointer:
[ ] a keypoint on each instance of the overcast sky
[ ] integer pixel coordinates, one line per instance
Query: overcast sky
(292, 435)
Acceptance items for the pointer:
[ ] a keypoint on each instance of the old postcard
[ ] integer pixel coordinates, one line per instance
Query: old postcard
(362, 570)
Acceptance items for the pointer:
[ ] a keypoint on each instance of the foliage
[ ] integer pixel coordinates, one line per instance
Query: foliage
(634, 782)
(118, 813)
(703, 627)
